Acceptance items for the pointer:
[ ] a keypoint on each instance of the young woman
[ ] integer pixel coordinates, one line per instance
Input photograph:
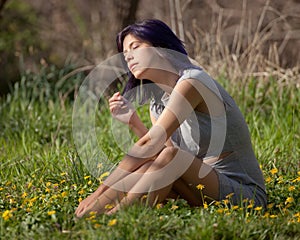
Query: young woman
(198, 135)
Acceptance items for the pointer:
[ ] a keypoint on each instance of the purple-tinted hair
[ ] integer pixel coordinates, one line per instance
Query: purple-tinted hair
(158, 34)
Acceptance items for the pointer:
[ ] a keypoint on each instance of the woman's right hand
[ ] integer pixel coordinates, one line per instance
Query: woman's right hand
(120, 108)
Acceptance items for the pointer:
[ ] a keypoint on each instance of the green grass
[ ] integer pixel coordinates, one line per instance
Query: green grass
(43, 179)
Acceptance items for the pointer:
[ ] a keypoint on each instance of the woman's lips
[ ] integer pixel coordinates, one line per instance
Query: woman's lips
(132, 66)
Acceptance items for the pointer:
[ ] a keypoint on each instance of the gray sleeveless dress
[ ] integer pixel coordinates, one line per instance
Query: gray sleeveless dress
(204, 136)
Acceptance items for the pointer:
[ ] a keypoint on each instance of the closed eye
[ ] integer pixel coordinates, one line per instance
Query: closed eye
(135, 46)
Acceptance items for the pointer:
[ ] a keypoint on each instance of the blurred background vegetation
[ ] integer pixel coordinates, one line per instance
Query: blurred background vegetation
(236, 38)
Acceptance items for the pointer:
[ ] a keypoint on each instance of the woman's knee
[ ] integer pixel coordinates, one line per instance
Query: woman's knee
(166, 155)
(143, 168)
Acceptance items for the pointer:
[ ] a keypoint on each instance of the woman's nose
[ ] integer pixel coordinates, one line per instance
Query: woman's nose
(128, 56)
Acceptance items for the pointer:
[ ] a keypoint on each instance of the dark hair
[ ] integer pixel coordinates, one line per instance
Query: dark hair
(158, 34)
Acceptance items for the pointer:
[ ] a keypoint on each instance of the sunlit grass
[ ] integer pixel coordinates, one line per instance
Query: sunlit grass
(43, 179)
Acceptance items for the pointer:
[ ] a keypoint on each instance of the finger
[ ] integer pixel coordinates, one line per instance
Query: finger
(115, 105)
(115, 109)
(116, 96)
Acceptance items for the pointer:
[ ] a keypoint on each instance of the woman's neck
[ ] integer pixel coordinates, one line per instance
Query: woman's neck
(164, 79)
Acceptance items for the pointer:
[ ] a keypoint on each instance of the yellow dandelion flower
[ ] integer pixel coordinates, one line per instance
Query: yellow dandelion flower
(296, 179)
(159, 205)
(86, 177)
(205, 206)
(81, 191)
(48, 184)
(144, 197)
(80, 199)
(102, 176)
(273, 216)
(280, 179)
(225, 201)
(298, 172)
(109, 206)
(1, 188)
(8, 183)
(62, 181)
(55, 185)
(220, 210)
(258, 208)
(266, 215)
(289, 200)
(90, 182)
(235, 207)
(174, 207)
(33, 199)
(274, 171)
(200, 186)
(47, 190)
(270, 205)
(297, 214)
(64, 194)
(91, 217)
(291, 188)
(51, 212)
(92, 213)
(6, 215)
(268, 179)
(63, 174)
(24, 195)
(217, 203)
(14, 187)
(250, 206)
(97, 225)
(112, 222)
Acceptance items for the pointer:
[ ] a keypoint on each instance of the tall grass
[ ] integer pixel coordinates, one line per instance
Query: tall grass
(43, 180)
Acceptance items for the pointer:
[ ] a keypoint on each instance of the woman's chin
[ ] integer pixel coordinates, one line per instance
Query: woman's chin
(140, 73)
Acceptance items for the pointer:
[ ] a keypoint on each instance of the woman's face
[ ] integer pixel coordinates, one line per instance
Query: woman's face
(139, 55)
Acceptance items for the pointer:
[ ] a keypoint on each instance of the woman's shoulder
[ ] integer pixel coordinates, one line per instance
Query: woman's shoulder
(203, 77)
(195, 73)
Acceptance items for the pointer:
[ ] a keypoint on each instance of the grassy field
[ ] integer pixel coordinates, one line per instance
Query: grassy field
(43, 179)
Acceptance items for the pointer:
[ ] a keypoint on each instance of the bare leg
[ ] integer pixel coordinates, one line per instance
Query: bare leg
(113, 195)
(159, 172)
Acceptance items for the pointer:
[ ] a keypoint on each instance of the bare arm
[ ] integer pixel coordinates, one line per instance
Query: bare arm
(185, 97)
(153, 120)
